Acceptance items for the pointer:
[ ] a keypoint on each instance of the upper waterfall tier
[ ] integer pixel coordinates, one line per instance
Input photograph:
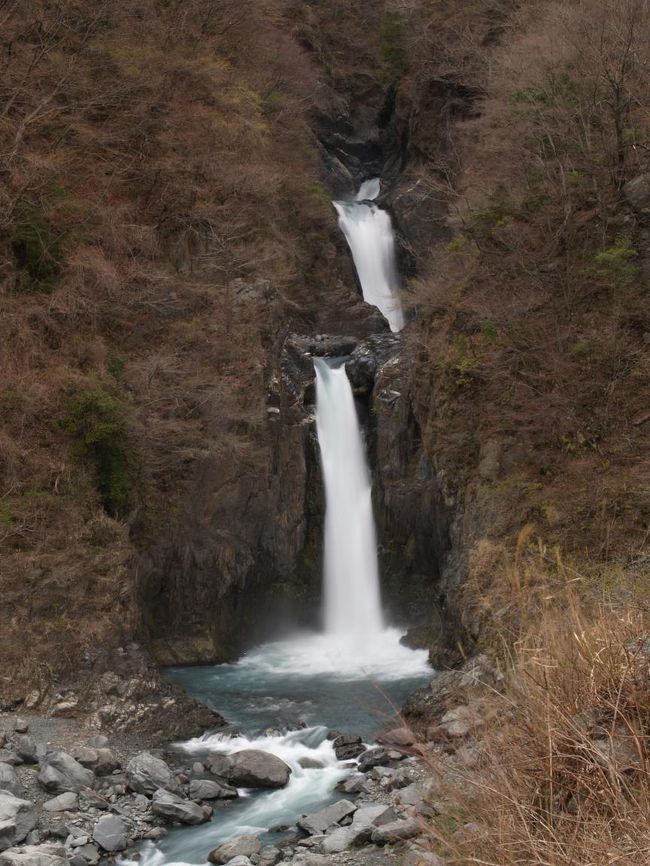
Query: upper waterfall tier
(369, 232)
(351, 586)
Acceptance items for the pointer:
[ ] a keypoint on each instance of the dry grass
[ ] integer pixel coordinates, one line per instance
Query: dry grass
(562, 774)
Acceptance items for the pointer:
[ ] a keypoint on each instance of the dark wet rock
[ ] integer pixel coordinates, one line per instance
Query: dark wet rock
(60, 772)
(18, 817)
(146, 774)
(34, 855)
(373, 758)
(175, 808)
(256, 769)
(240, 846)
(9, 781)
(322, 820)
(347, 747)
(206, 789)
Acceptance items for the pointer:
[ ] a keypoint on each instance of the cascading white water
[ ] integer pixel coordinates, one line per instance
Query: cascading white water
(369, 232)
(351, 585)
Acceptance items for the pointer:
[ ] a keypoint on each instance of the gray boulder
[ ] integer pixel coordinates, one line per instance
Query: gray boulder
(34, 855)
(320, 821)
(255, 769)
(9, 781)
(17, 818)
(372, 758)
(66, 802)
(110, 832)
(366, 818)
(219, 765)
(89, 852)
(28, 749)
(269, 856)
(60, 772)
(175, 808)
(101, 761)
(146, 775)
(240, 846)
(8, 756)
(396, 831)
(206, 789)
(240, 860)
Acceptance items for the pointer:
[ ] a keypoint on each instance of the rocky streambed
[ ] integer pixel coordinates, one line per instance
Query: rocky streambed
(68, 794)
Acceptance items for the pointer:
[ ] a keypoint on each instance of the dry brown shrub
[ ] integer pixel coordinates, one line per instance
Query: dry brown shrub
(562, 776)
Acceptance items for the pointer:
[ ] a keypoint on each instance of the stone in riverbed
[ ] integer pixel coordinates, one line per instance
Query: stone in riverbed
(255, 769)
(320, 821)
(34, 855)
(102, 761)
(219, 765)
(366, 818)
(396, 831)
(17, 818)
(60, 772)
(146, 775)
(372, 758)
(9, 781)
(169, 805)
(310, 764)
(206, 789)
(110, 833)
(354, 785)
(240, 846)
(8, 756)
(89, 852)
(347, 747)
(66, 802)
(28, 749)
(269, 856)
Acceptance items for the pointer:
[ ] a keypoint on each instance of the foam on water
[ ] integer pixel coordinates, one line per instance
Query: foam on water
(379, 657)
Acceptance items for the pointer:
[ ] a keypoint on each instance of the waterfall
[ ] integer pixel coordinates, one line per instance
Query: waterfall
(369, 232)
(351, 578)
